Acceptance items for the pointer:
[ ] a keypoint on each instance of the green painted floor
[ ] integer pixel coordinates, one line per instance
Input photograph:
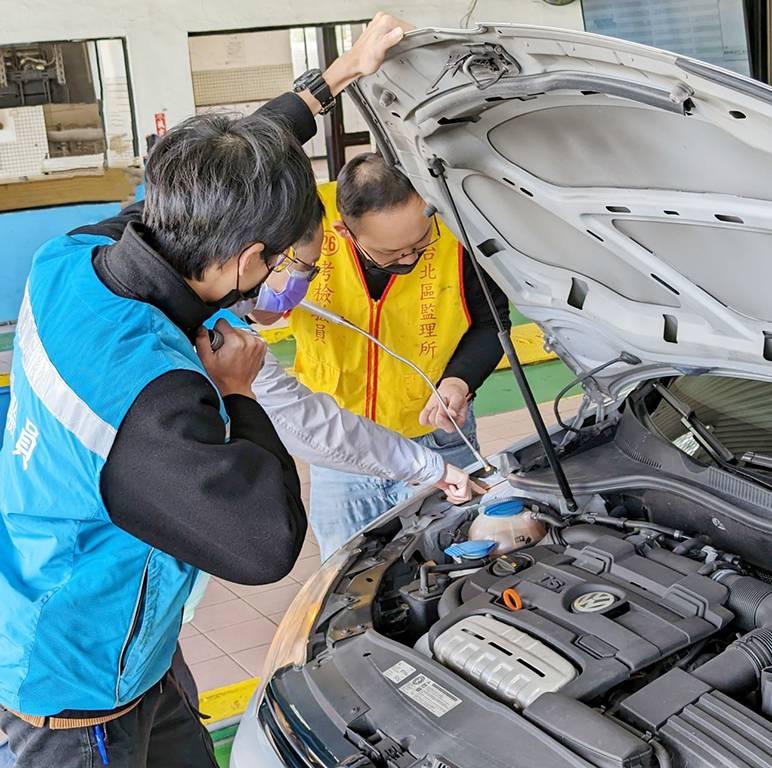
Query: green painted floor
(223, 743)
(500, 392)
(6, 341)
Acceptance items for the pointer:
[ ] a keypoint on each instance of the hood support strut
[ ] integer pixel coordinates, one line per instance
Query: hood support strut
(437, 169)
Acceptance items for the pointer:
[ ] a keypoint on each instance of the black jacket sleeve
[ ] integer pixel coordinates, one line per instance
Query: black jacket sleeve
(295, 113)
(479, 351)
(232, 509)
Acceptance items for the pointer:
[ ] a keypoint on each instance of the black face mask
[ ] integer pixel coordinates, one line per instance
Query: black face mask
(234, 296)
(391, 269)
(237, 294)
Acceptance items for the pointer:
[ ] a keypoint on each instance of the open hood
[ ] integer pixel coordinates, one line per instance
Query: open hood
(620, 195)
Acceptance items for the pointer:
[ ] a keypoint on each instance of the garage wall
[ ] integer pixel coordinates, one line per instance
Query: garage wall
(242, 67)
(157, 32)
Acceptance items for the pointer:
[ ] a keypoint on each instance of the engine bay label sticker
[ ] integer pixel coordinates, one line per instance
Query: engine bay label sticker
(430, 696)
(399, 672)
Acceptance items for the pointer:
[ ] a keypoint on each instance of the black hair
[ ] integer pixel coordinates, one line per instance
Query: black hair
(216, 185)
(317, 214)
(367, 184)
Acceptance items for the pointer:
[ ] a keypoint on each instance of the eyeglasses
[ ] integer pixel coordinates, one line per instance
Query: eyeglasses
(272, 262)
(276, 262)
(311, 270)
(417, 251)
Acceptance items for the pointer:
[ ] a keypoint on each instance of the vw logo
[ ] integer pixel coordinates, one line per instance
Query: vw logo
(592, 602)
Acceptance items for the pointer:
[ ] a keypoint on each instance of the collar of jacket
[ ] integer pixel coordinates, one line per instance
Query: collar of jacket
(134, 269)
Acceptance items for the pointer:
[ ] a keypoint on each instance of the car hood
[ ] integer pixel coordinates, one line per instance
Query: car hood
(620, 195)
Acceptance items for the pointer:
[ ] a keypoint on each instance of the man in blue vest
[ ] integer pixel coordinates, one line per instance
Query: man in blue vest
(134, 454)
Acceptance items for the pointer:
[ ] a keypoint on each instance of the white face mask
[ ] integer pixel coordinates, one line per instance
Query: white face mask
(242, 308)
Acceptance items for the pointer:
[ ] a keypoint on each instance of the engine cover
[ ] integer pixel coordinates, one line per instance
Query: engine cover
(715, 730)
(503, 661)
(612, 607)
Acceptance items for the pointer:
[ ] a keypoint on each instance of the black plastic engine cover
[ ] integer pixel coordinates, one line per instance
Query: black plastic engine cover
(717, 731)
(605, 606)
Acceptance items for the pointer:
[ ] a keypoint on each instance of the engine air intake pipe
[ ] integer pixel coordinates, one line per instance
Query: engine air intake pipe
(737, 670)
(749, 599)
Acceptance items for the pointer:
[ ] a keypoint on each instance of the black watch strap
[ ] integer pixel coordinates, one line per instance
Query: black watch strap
(322, 93)
(315, 82)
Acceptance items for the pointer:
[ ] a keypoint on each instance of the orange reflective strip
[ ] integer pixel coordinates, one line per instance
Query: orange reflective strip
(376, 350)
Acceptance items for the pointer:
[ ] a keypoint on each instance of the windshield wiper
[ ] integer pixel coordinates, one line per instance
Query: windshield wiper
(753, 459)
(717, 450)
(697, 428)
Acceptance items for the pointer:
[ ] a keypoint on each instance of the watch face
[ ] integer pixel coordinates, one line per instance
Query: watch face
(306, 79)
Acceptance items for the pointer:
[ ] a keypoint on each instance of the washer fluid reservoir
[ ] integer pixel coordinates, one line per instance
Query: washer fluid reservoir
(508, 523)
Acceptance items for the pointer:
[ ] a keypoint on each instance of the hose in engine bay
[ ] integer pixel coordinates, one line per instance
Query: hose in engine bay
(621, 523)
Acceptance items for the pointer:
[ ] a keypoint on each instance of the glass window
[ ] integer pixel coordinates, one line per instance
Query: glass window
(737, 411)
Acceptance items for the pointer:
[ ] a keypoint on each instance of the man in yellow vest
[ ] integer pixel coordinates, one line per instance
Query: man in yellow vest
(391, 266)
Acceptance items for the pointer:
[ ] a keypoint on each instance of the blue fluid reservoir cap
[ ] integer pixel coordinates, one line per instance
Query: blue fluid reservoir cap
(504, 508)
(471, 550)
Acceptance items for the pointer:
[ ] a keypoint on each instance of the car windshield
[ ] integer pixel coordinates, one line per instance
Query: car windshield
(738, 412)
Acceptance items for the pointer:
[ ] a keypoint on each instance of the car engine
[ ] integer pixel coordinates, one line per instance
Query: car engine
(631, 645)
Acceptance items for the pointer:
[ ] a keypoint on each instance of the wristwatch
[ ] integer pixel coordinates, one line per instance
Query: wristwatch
(315, 83)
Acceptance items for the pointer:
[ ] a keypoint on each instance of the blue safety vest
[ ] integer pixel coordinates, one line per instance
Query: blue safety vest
(89, 614)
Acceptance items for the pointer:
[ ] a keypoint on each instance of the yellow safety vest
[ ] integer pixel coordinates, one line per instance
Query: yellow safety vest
(421, 316)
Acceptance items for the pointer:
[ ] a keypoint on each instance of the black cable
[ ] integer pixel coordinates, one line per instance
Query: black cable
(624, 357)
(427, 568)
(437, 169)
(552, 520)
(626, 523)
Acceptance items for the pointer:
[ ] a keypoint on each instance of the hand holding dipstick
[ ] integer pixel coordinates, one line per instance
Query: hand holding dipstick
(232, 357)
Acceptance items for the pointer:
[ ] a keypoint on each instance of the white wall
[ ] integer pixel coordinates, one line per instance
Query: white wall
(157, 31)
(255, 49)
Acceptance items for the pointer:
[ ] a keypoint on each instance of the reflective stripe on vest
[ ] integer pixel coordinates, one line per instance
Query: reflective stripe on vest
(95, 433)
(421, 316)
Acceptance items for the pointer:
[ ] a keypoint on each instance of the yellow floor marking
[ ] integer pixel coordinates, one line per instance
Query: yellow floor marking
(228, 701)
(529, 345)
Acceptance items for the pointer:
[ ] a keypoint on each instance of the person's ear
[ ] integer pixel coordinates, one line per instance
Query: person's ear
(341, 228)
(250, 258)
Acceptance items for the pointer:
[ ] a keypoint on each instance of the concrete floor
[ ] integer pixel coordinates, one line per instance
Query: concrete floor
(233, 627)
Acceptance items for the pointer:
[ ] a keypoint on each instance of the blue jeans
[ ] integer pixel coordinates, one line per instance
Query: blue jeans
(7, 760)
(343, 503)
